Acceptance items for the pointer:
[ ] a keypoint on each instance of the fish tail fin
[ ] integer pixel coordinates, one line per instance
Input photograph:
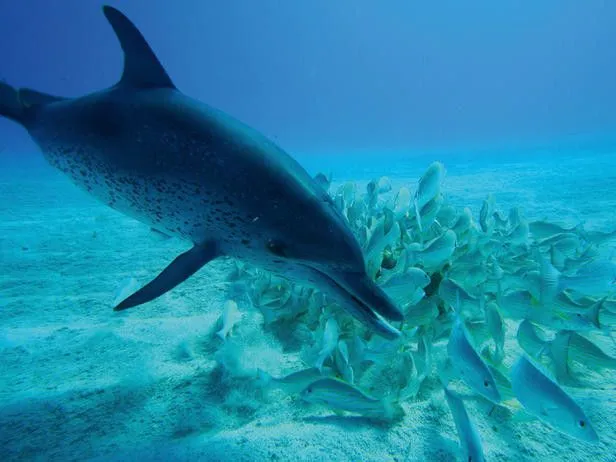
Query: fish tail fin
(412, 387)
(561, 365)
(348, 373)
(550, 279)
(392, 411)
(411, 259)
(595, 312)
(320, 360)
(546, 349)
(457, 310)
(221, 334)
(557, 258)
(263, 378)
(438, 227)
(445, 372)
(499, 353)
(417, 215)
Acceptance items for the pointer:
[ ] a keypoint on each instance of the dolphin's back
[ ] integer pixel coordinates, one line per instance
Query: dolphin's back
(153, 153)
(192, 155)
(191, 171)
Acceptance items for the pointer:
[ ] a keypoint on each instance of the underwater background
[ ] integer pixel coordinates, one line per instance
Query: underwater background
(515, 101)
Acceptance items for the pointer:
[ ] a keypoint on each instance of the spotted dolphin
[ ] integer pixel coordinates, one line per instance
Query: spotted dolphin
(193, 172)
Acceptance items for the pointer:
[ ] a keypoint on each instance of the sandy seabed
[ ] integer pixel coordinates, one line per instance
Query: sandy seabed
(80, 382)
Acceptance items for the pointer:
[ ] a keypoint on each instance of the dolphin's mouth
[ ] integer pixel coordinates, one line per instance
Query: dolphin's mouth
(350, 298)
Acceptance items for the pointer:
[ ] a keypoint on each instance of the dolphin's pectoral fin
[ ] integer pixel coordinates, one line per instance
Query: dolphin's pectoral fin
(180, 269)
(142, 69)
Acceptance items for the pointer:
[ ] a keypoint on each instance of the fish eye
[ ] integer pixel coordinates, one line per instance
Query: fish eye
(582, 424)
(486, 383)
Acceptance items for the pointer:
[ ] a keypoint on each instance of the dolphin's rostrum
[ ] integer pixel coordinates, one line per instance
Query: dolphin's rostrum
(191, 171)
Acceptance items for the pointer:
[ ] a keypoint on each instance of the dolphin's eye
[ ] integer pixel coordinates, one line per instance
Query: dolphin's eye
(582, 423)
(277, 248)
(486, 383)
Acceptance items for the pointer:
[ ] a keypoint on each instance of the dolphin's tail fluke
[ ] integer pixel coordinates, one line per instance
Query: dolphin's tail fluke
(22, 104)
(10, 104)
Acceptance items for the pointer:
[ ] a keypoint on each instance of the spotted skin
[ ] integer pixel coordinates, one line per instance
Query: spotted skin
(190, 171)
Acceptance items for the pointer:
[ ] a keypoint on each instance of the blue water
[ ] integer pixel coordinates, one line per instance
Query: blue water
(80, 382)
(515, 100)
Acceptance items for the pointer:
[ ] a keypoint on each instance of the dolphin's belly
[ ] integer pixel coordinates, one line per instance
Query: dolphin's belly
(185, 169)
(180, 207)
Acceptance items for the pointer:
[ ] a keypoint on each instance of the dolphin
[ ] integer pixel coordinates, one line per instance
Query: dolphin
(190, 171)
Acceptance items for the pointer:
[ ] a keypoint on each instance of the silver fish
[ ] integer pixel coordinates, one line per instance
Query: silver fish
(330, 341)
(600, 237)
(486, 218)
(402, 202)
(517, 304)
(596, 278)
(582, 351)
(544, 229)
(453, 293)
(230, 316)
(423, 313)
(429, 184)
(435, 253)
(343, 396)
(496, 327)
(402, 287)
(324, 181)
(428, 213)
(545, 399)
(532, 339)
(467, 432)
(469, 364)
(294, 382)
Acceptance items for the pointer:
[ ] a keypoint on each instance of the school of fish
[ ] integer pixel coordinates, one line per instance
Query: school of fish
(515, 312)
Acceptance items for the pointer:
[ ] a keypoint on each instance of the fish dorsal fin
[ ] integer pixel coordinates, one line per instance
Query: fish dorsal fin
(142, 69)
(32, 98)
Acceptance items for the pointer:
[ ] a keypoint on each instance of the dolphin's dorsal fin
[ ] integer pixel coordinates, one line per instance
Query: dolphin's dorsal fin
(32, 98)
(142, 69)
